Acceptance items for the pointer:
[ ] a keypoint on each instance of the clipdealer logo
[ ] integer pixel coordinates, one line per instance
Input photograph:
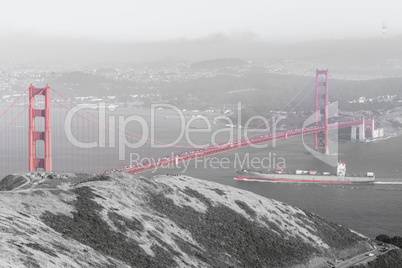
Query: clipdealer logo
(147, 135)
(148, 128)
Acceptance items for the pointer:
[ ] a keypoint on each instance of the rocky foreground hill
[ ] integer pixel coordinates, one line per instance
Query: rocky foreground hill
(121, 220)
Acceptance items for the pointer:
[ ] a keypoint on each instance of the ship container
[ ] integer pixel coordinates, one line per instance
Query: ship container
(279, 170)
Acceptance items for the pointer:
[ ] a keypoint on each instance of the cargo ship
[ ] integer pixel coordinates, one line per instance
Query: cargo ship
(304, 176)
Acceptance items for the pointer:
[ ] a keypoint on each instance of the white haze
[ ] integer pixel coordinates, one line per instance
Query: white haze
(138, 31)
(156, 20)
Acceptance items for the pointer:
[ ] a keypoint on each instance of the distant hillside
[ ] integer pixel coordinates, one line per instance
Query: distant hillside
(340, 52)
(77, 83)
(217, 63)
(122, 220)
(273, 91)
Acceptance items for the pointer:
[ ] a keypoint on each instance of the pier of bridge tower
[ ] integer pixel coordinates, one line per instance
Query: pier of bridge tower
(367, 129)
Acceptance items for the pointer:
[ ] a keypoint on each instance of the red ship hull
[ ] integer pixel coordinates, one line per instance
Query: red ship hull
(291, 180)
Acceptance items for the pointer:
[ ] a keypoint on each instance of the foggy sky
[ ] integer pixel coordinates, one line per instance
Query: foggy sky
(49, 29)
(134, 20)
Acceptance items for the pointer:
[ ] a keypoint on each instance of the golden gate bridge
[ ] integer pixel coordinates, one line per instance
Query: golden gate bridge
(33, 126)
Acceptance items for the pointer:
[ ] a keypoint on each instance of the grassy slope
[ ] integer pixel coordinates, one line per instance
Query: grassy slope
(79, 220)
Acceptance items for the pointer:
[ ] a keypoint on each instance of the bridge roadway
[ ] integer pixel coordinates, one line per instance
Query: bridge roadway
(203, 152)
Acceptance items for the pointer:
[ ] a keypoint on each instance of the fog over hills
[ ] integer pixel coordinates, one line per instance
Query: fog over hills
(244, 45)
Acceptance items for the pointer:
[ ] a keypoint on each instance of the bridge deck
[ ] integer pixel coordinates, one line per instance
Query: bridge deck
(203, 152)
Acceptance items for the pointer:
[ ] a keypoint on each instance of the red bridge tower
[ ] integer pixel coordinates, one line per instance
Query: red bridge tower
(34, 162)
(321, 108)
